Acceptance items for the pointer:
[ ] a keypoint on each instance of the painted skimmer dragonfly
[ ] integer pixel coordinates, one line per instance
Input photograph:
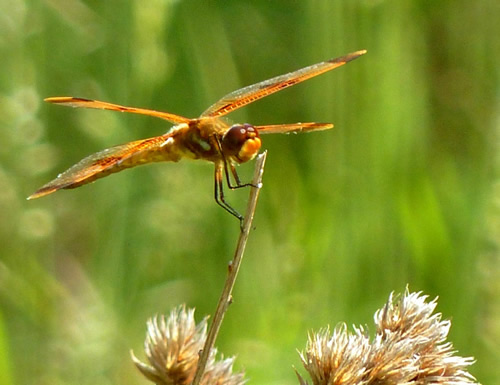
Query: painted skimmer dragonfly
(209, 137)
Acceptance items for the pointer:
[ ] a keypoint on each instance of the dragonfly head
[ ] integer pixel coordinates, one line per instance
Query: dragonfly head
(241, 142)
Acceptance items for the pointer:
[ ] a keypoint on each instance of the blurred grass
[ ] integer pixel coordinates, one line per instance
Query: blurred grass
(403, 190)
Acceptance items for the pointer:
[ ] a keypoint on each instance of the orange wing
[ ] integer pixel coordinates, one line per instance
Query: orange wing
(87, 103)
(249, 94)
(111, 160)
(292, 128)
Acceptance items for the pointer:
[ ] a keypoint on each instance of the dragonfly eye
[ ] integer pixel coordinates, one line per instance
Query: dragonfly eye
(242, 142)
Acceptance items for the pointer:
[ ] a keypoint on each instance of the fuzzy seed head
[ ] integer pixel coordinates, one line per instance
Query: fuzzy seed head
(172, 349)
(409, 348)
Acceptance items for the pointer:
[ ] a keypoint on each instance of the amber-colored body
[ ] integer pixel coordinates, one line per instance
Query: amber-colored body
(208, 138)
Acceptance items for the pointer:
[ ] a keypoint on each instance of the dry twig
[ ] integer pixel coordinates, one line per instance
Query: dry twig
(225, 298)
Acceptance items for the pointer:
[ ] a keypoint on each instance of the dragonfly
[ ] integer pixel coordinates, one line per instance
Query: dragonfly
(209, 137)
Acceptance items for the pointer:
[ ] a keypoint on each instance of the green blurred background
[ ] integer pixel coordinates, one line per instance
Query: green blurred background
(403, 191)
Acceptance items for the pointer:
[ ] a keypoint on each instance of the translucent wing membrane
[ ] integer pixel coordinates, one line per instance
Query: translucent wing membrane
(249, 94)
(107, 162)
(292, 128)
(87, 103)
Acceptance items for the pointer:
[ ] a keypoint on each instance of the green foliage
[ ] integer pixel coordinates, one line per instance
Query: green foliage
(402, 191)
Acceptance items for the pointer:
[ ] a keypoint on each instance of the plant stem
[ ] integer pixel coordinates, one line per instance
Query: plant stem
(226, 298)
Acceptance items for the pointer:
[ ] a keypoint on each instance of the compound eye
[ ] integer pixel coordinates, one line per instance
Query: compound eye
(241, 141)
(236, 136)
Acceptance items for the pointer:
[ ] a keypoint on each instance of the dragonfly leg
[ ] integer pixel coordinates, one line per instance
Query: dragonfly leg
(219, 195)
(236, 178)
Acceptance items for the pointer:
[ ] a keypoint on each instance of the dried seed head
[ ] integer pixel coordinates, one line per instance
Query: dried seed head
(172, 348)
(409, 348)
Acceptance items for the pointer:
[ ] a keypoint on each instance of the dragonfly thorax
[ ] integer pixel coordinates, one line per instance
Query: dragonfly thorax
(241, 142)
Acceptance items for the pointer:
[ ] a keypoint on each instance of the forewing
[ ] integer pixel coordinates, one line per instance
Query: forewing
(249, 94)
(103, 163)
(87, 103)
(289, 128)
